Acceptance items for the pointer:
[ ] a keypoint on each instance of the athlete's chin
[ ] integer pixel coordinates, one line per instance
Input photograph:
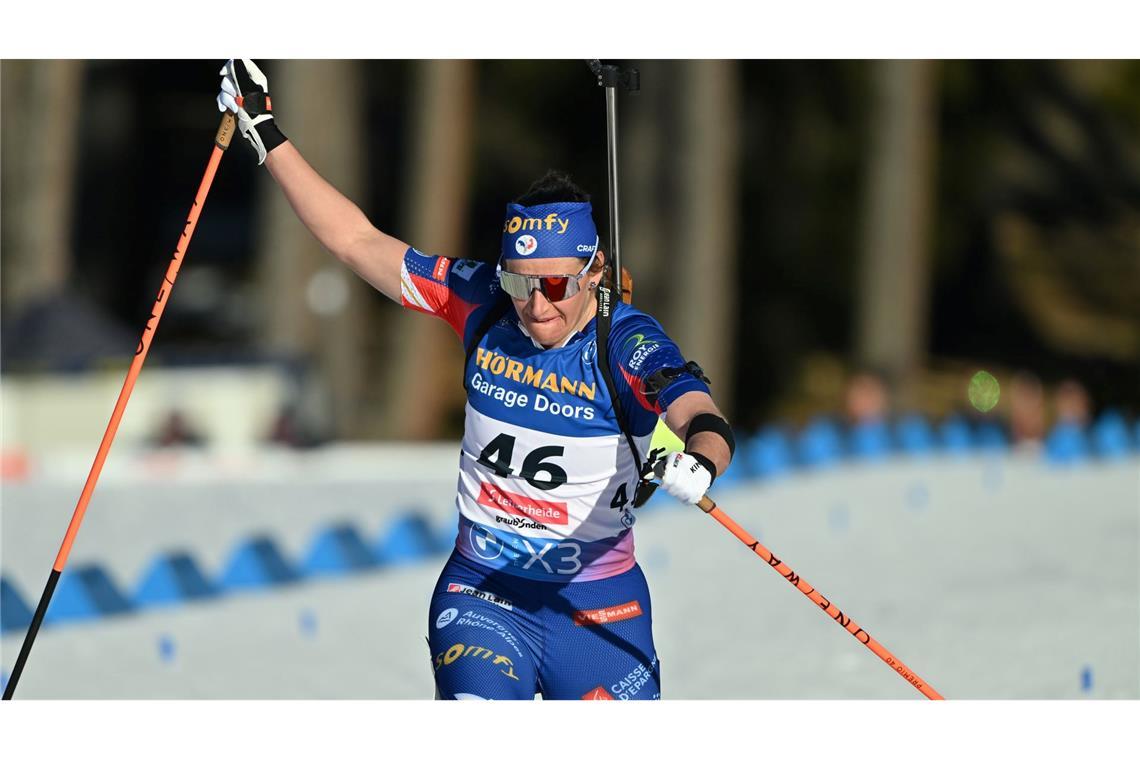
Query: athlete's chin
(549, 331)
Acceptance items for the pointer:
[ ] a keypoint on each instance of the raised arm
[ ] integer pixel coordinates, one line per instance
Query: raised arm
(333, 219)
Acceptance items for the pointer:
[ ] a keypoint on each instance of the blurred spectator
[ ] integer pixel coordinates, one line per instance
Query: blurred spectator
(867, 398)
(1071, 402)
(289, 429)
(176, 431)
(1026, 409)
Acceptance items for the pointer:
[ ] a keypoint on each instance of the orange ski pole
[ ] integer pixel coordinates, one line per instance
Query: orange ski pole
(709, 506)
(221, 142)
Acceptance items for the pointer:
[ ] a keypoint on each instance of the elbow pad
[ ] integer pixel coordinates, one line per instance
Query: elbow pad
(710, 423)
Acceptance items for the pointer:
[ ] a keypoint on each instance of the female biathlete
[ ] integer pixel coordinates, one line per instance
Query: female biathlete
(542, 593)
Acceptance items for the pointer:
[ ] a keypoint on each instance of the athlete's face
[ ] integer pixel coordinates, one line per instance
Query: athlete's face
(549, 322)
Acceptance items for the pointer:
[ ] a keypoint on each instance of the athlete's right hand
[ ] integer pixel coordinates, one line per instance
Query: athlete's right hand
(245, 91)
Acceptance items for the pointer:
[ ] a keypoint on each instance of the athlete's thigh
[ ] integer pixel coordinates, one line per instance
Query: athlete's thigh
(478, 645)
(599, 641)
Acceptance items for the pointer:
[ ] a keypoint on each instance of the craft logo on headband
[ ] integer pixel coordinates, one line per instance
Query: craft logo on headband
(549, 231)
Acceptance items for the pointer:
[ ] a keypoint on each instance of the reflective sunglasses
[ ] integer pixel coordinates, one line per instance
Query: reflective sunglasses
(556, 287)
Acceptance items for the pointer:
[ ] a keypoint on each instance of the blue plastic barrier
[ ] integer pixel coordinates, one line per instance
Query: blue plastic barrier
(914, 435)
(991, 437)
(256, 563)
(870, 440)
(955, 435)
(409, 539)
(15, 615)
(1066, 444)
(766, 454)
(337, 550)
(447, 535)
(1110, 437)
(820, 444)
(85, 592)
(170, 579)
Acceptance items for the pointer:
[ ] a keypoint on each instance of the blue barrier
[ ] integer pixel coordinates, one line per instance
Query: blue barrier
(914, 435)
(955, 435)
(85, 592)
(766, 454)
(870, 440)
(1066, 444)
(447, 535)
(337, 550)
(256, 563)
(15, 615)
(88, 592)
(170, 579)
(820, 444)
(1110, 437)
(990, 437)
(410, 538)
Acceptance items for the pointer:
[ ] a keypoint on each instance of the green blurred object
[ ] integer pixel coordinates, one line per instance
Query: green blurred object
(984, 391)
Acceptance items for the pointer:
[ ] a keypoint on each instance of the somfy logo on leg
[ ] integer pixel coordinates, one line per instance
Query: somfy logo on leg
(446, 617)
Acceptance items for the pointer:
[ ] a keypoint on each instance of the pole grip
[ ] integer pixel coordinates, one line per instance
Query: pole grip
(226, 130)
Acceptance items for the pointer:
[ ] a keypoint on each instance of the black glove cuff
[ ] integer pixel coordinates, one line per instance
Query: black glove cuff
(705, 462)
(270, 135)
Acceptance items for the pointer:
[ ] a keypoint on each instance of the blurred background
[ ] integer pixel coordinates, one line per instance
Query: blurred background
(914, 284)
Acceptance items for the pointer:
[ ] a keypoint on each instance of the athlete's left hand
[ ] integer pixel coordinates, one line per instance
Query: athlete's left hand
(686, 477)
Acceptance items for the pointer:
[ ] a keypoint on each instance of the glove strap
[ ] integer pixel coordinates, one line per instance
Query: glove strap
(271, 136)
(705, 462)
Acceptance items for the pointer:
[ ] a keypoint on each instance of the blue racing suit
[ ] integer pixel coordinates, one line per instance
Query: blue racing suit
(542, 592)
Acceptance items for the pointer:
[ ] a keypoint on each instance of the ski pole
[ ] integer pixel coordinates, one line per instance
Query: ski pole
(709, 506)
(221, 142)
(611, 77)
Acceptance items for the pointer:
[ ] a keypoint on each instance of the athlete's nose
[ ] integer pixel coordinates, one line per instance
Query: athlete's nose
(538, 305)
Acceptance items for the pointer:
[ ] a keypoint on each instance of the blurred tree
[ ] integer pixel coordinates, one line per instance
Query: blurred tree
(422, 374)
(39, 145)
(892, 316)
(703, 315)
(310, 305)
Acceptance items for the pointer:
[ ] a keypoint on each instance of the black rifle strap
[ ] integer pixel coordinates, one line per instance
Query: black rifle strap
(645, 488)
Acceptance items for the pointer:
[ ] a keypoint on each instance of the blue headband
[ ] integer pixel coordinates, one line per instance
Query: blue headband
(549, 231)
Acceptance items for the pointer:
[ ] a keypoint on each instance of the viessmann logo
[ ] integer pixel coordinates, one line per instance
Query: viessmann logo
(512, 369)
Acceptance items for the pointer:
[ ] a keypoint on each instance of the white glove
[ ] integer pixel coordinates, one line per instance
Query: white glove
(686, 477)
(245, 92)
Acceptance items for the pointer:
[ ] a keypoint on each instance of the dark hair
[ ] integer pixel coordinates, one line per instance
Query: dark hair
(553, 187)
(557, 187)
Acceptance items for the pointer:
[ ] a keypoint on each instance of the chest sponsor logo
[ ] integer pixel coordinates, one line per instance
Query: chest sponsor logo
(512, 369)
(598, 693)
(487, 596)
(606, 615)
(545, 512)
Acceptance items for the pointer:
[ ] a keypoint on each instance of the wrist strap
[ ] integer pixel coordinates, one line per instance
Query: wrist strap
(705, 462)
(270, 135)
